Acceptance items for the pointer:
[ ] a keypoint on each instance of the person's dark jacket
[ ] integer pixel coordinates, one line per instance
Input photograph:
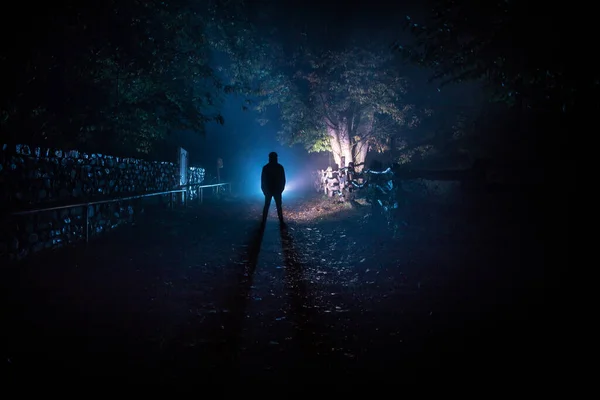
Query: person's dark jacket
(272, 179)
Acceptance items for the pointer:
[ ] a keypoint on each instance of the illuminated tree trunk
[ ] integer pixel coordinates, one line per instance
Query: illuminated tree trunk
(334, 142)
(360, 154)
(345, 148)
(342, 146)
(360, 148)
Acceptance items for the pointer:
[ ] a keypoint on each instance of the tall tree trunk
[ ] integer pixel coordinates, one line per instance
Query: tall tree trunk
(345, 147)
(341, 146)
(334, 141)
(360, 148)
(360, 154)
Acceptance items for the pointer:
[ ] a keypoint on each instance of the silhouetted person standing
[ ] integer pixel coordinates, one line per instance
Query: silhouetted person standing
(272, 183)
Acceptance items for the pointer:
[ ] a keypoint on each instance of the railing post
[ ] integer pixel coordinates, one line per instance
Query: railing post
(201, 195)
(171, 201)
(87, 223)
(185, 197)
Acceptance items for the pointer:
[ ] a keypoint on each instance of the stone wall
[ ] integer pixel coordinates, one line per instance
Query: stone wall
(195, 177)
(32, 178)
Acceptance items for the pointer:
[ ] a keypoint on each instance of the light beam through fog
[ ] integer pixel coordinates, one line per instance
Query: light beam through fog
(244, 146)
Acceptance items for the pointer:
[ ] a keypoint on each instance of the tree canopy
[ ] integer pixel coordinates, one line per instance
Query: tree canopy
(347, 102)
(123, 72)
(524, 54)
(128, 72)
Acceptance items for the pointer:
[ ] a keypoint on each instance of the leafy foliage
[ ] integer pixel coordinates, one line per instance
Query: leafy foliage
(522, 53)
(122, 72)
(328, 98)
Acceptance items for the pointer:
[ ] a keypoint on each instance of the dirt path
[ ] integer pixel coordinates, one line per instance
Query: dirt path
(204, 292)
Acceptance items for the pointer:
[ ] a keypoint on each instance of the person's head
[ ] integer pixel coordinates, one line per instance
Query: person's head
(272, 157)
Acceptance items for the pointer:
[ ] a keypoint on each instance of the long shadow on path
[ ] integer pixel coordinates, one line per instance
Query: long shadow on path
(230, 335)
(310, 352)
(316, 351)
(220, 356)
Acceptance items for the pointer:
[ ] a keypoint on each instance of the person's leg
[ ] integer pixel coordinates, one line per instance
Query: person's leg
(278, 205)
(266, 207)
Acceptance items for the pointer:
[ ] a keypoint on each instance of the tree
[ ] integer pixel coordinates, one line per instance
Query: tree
(124, 72)
(525, 55)
(346, 102)
(440, 142)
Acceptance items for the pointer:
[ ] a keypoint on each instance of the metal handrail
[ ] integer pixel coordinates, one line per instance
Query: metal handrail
(89, 203)
(112, 200)
(116, 199)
